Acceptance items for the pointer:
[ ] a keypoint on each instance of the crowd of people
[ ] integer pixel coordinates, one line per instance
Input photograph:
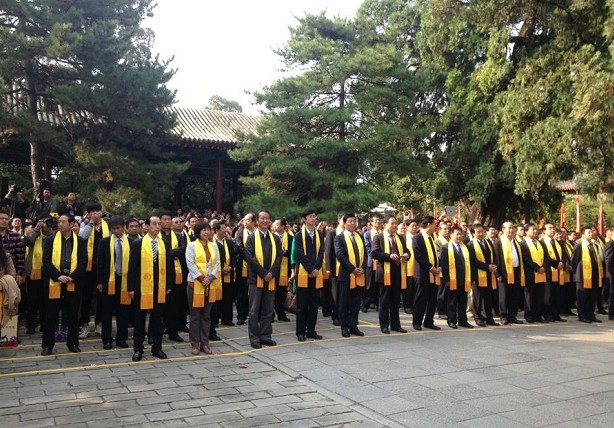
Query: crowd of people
(176, 273)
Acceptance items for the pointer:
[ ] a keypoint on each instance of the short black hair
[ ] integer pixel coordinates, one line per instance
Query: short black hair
(347, 216)
(199, 227)
(426, 220)
(116, 220)
(307, 211)
(282, 220)
(168, 213)
(218, 225)
(93, 206)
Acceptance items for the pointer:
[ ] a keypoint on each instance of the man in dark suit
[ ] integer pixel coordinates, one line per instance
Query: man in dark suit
(330, 291)
(510, 270)
(371, 291)
(309, 257)
(351, 255)
(585, 261)
(248, 226)
(263, 254)
(553, 293)
(63, 271)
(151, 273)
(112, 283)
(228, 262)
(427, 273)
(456, 271)
(536, 263)
(389, 250)
(609, 261)
(279, 228)
(484, 265)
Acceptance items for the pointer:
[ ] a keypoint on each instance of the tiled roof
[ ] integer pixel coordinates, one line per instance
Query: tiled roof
(567, 186)
(213, 126)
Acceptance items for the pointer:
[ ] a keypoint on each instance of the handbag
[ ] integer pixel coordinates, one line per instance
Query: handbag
(290, 303)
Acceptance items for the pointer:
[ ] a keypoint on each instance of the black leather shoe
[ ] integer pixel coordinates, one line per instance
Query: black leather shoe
(481, 323)
(465, 325)
(516, 322)
(214, 337)
(407, 311)
(268, 342)
(492, 323)
(313, 335)
(176, 338)
(452, 325)
(228, 324)
(594, 319)
(530, 320)
(559, 319)
(432, 326)
(137, 356)
(336, 322)
(400, 330)
(385, 330)
(74, 348)
(159, 354)
(240, 321)
(121, 344)
(301, 337)
(256, 345)
(107, 345)
(356, 332)
(345, 332)
(184, 329)
(284, 318)
(30, 330)
(150, 341)
(505, 322)
(46, 351)
(417, 327)
(584, 320)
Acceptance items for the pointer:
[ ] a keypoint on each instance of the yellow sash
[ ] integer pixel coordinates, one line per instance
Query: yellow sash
(537, 255)
(55, 287)
(565, 276)
(125, 297)
(178, 272)
(227, 261)
(587, 269)
(433, 258)
(215, 288)
(356, 261)
(387, 279)
(374, 233)
(452, 263)
(283, 270)
(550, 245)
(147, 274)
(482, 274)
(260, 258)
(37, 258)
(411, 262)
(90, 243)
(244, 266)
(303, 275)
(506, 244)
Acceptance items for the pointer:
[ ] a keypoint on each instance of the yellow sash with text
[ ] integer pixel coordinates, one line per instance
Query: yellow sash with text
(90, 243)
(482, 274)
(587, 269)
(551, 245)
(244, 266)
(356, 259)
(537, 255)
(452, 263)
(215, 288)
(124, 297)
(55, 287)
(387, 265)
(433, 258)
(303, 275)
(260, 258)
(177, 263)
(147, 273)
(283, 270)
(410, 268)
(37, 259)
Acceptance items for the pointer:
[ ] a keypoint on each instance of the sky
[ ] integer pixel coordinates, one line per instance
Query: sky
(226, 47)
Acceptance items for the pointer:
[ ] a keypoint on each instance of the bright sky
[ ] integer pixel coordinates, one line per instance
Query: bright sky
(225, 47)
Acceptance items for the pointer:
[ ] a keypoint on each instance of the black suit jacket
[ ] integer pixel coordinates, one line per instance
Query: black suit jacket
(104, 263)
(254, 269)
(134, 269)
(500, 259)
(576, 264)
(341, 253)
(329, 252)
(310, 261)
(422, 265)
(531, 267)
(51, 272)
(461, 275)
(233, 257)
(378, 253)
(489, 257)
(609, 257)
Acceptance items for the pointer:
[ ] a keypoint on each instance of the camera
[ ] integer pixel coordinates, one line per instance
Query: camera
(41, 185)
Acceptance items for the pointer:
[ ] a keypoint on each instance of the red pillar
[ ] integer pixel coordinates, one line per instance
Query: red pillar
(219, 187)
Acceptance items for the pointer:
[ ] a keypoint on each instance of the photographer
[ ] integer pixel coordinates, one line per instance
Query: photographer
(43, 205)
(71, 206)
(15, 202)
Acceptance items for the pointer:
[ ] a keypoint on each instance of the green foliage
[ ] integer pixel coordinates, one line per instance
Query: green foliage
(217, 102)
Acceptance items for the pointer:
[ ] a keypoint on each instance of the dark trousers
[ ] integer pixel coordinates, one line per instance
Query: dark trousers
(261, 309)
(457, 305)
(611, 308)
(175, 309)
(36, 306)
(425, 303)
(326, 299)
(482, 302)
(214, 318)
(371, 291)
(509, 296)
(111, 307)
(599, 298)
(409, 294)
(307, 307)
(389, 300)
(87, 296)
(552, 300)
(442, 300)
(586, 301)
(280, 300)
(534, 300)
(228, 296)
(72, 300)
(349, 304)
(154, 327)
(200, 321)
(242, 298)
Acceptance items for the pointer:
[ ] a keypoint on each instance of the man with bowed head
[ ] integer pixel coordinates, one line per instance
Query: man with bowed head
(427, 273)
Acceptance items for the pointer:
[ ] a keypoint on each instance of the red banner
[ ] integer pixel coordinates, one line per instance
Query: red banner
(578, 216)
(563, 215)
(601, 220)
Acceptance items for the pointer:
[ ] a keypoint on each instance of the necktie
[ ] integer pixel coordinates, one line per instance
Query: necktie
(154, 249)
(394, 249)
(353, 239)
(118, 256)
(459, 253)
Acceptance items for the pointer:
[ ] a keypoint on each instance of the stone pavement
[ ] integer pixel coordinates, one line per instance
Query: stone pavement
(558, 375)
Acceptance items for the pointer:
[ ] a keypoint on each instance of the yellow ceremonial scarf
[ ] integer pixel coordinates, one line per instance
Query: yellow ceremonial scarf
(410, 268)
(303, 275)
(387, 279)
(587, 269)
(37, 258)
(283, 270)
(374, 233)
(537, 255)
(506, 244)
(215, 288)
(482, 274)
(244, 267)
(565, 275)
(124, 297)
(452, 264)
(433, 258)
(55, 287)
(178, 272)
(147, 274)
(550, 245)
(227, 261)
(357, 261)
(260, 258)
(90, 243)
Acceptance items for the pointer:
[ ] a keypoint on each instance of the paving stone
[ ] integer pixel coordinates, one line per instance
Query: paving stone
(174, 414)
(117, 422)
(84, 417)
(263, 420)
(492, 421)
(533, 417)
